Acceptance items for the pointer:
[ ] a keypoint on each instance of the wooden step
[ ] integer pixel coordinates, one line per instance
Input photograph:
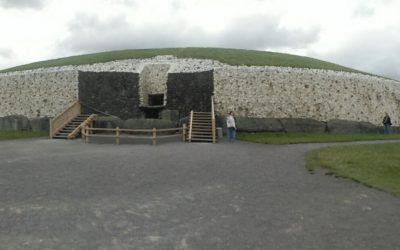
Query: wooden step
(65, 131)
(202, 131)
(201, 127)
(201, 140)
(200, 122)
(202, 137)
(60, 137)
(71, 127)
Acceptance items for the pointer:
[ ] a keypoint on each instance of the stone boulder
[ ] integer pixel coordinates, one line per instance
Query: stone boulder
(108, 122)
(302, 125)
(343, 126)
(149, 124)
(258, 124)
(39, 124)
(170, 114)
(14, 123)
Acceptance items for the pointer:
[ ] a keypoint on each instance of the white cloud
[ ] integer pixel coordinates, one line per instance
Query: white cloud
(89, 33)
(262, 31)
(339, 30)
(374, 51)
(6, 53)
(22, 4)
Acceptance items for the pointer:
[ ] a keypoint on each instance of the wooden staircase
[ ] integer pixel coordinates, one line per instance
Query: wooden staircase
(73, 128)
(200, 127)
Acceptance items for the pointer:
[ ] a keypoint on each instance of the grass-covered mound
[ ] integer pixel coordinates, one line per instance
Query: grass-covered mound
(228, 56)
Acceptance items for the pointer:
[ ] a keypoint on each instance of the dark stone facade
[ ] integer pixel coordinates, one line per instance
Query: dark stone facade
(117, 93)
(114, 93)
(190, 91)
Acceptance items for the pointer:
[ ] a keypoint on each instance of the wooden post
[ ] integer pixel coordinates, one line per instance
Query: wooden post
(87, 136)
(51, 128)
(154, 136)
(190, 126)
(214, 136)
(117, 136)
(83, 133)
(183, 132)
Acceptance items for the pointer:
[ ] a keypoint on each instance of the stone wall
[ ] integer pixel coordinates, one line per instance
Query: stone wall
(37, 94)
(153, 80)
(254, 92)
(114, 93)
(273, 92)
(190, 91)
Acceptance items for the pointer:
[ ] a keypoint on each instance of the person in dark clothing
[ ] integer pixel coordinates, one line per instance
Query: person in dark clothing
(386, 123)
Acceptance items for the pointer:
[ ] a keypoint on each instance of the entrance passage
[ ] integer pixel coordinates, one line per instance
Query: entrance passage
(156, 100)
(155, 105)
(152, 113)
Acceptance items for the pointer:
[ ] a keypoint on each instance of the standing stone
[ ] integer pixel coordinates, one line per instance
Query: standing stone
(14, 123)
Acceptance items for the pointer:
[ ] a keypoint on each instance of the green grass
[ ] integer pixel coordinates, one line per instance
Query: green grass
(292, 138)
(376, 165)
(228, 56)
(8, 135)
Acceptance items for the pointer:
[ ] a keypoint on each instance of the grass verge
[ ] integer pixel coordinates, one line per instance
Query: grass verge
(293, 138)
(9, 135)
(375, 165)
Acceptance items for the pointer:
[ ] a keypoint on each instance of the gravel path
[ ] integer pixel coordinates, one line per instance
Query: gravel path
(69, 195)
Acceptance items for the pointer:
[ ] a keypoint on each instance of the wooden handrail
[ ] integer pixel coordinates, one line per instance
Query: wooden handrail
(64, 117)
(87, 122)
(190, 126)
(133, 130)
(213, 120)
(87, 132)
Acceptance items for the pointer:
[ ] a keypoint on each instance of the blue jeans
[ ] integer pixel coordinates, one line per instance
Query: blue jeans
(231, 134)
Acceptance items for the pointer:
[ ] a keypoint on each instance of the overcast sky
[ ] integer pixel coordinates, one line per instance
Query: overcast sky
(362, 34)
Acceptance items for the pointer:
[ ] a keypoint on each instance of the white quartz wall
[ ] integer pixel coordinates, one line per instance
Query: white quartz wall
(274, 92)
(153, 80)
(265, 92)
(37, 94)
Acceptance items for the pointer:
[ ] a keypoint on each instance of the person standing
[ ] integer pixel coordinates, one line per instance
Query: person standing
(231, 124)
(386, 123)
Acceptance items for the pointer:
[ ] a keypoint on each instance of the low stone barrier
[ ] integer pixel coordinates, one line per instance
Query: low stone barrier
(304, 125)
(22, 123)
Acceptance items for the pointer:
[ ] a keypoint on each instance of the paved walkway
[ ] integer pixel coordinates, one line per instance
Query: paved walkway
(70, 195)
